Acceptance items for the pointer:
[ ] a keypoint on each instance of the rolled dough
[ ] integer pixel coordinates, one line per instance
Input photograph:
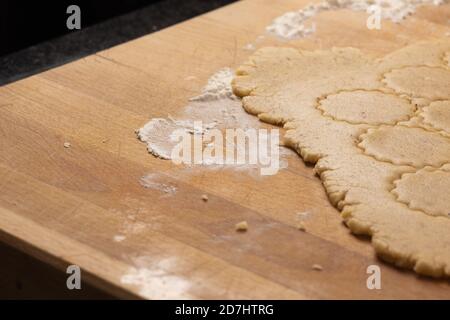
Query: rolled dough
(373, 130)
(437, 115)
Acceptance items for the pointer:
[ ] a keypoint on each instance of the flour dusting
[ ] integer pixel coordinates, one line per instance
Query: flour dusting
(250, 47)
(155, 281)
(119, 238)
(296, 24)
(215, 108)
(218, 87)
(155, 131)
(150, 181)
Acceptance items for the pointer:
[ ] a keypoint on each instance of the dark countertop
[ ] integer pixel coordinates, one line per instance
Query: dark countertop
(89, 40)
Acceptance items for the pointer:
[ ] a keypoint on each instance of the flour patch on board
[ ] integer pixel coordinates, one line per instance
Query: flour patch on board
(153, 181)
(154, 279)
(215, 108)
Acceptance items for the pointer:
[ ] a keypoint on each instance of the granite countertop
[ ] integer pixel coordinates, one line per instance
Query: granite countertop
(101, 36)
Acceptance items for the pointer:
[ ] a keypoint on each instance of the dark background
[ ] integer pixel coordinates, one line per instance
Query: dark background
(24, 23)
(34, 36)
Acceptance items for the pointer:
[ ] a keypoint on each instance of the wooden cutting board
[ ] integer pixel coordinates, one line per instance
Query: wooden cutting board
(68, 205)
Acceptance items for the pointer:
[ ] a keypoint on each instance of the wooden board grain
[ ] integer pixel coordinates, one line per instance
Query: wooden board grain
(66, 205)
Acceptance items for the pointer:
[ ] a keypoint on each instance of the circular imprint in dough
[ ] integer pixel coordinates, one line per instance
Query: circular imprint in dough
(428, 82)
(370, 107)
(406, 146)
(437, 114)
(425, 190)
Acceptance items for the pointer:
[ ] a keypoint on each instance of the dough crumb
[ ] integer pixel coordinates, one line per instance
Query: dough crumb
(301, 226)
(67, 145)
(317, 267)
(242, 226)
(205, 197)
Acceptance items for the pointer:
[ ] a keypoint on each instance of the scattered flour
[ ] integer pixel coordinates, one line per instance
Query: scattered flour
(158, 134)
(119, 238)
(218, 87)
(294, 24)
(155, 133)
(215, 108)
(303, 215)
(300, 218)
(150, 181)
(250, 47)
(155, 281)
(134, 227)
(190, 78)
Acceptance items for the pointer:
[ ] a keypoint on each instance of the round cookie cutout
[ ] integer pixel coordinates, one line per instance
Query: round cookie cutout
(366, 107)
(437, 114)
(432, 83)
(425, 190)
(402, 145)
